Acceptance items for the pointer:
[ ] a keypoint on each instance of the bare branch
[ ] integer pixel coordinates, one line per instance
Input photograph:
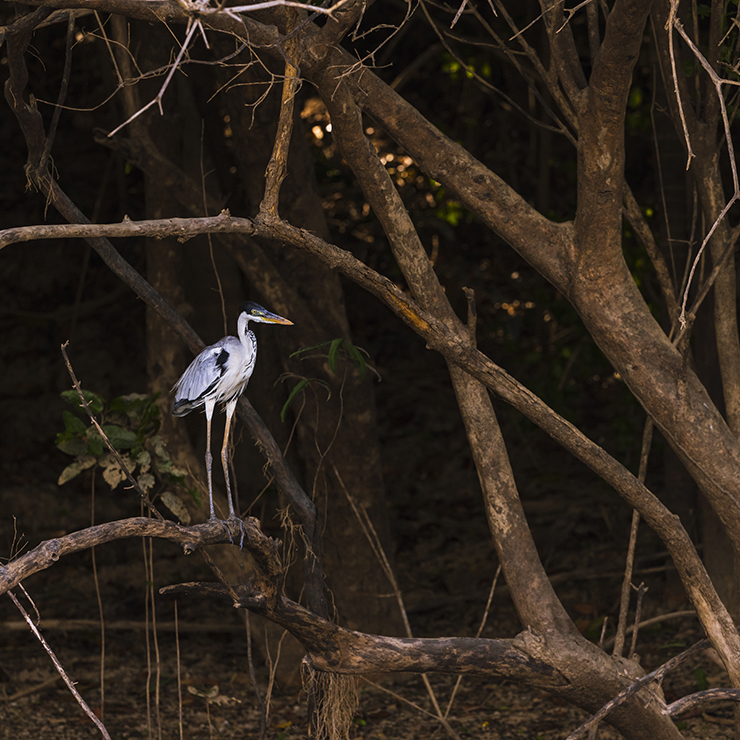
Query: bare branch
(656, 676)
(438, 336)
(711, 611)
(277, 168)
(62, 89)
(188, 538)
(670, 25)
(702, 697)
(342, 21)
(181, 228)
(60, 668)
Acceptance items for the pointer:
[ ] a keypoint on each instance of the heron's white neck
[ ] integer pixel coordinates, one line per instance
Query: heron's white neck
(246, 335)
(242, 329)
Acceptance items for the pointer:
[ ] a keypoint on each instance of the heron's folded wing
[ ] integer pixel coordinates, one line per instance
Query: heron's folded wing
(201, 380)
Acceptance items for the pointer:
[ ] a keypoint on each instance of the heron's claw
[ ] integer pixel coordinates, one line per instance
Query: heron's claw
(235, 518)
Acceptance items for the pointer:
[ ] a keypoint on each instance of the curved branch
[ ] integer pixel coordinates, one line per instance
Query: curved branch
(709, 696)
(189, 539)
(657, 676)
(712, 612)
(338, 650)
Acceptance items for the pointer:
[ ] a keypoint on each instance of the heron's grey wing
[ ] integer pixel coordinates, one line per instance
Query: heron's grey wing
(201, 378)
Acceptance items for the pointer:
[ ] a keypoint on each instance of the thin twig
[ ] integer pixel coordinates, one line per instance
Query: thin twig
(701, 697)
(674, 23)
(647, 436)
(477, 634)
(62, 90)
(641, 591)
(395, 695)
(93, 561)
(155, 638)
(253, 678)
(67, 680)
(179, 676)
(670, 24)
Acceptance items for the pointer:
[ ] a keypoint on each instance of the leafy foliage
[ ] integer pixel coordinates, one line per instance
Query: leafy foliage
(131, 424)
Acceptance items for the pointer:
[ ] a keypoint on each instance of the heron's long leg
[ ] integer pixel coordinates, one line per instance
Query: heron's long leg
(230, 408)
(210, 405)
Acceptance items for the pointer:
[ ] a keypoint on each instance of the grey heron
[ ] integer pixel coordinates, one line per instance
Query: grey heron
(219, 374)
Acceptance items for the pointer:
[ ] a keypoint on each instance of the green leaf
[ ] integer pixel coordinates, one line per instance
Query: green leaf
(143, 460)
(93, 400)
(120, 438)
(357, 358)
(72, 423)
(303, 350)
(95, 443)
(160, 450)
(335, 345)
(150, 413)
(71, 471)
(195, 495)
(299, 386)
(132, 398)
(75, 447)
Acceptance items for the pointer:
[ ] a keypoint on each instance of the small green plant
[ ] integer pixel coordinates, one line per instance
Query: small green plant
(338, 348)
(131, 424)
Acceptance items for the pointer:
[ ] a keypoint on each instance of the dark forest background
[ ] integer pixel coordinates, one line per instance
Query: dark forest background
(395, 426)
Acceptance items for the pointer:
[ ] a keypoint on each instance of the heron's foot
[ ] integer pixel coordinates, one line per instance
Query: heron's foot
(225, 524)
(235, 518)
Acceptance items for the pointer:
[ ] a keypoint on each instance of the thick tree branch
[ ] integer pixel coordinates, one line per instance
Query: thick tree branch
(545, 244)
(601, 142)
(604, 294)
(188, 538)
(342, 21)
(712, 612)
(338, 650)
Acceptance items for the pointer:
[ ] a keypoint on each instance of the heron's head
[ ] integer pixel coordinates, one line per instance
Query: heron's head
(251, 311)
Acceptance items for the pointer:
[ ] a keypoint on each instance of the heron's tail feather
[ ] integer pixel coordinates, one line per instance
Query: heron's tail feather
(183, 406)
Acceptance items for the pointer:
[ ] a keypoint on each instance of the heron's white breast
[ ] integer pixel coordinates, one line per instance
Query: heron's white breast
(239, 366)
